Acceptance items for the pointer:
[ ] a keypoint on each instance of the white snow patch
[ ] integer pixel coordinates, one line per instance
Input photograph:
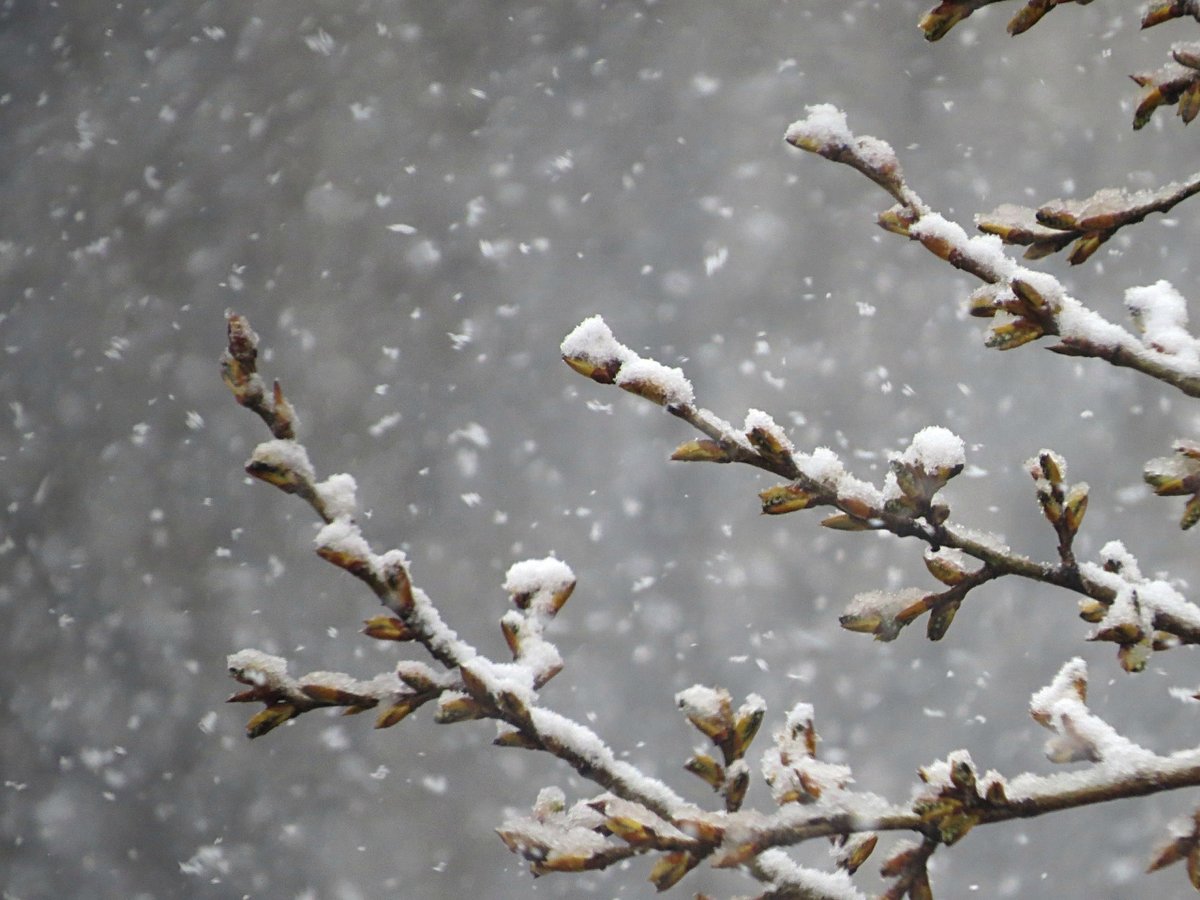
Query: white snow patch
(785, 873)
(933, 448)
(756, 418)
(337, 492)
(261, 668)
(593, 341)
(533, 575)
(701, 701)
(823, 466)
(343, 536)
(825, 124)
(667, 381)
(1160, 311)
(285, 455)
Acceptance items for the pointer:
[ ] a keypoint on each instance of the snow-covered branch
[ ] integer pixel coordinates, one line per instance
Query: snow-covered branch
(638, 815)
(1024, 304)
(954, 798)
(908, 504)
(474, 687)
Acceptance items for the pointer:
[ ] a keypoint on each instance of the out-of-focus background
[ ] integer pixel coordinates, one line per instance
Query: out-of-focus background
(414, 203)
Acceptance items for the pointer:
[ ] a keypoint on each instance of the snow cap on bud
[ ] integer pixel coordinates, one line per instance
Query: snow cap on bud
(936, 449)
(824, 126)
(544, 584)
(709, 709)
(283, 463)
(883, 613)
(664, 385)
(591, 350)
(258, 668)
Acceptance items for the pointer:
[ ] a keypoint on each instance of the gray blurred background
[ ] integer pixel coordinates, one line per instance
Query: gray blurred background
(163, 162)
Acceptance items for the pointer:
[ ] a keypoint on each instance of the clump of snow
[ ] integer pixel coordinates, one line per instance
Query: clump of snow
(653, 380)
(793, 775)
(1067, 683)
(1153, 595)
(258, 667)
(337, 494)
(891, 488)
(799, 716)
(286, 455)
(554, 831)
(393, 559)
(1127, 611)
(789, 877)
(1115, 554)
(754, 704)
(381, 687)
(502, 678)
(440, 637)
(557, 728)
(989, 541)
(824, 131)
(1079, 734)
(1078, 323)
(825, 124)
(985, 249)
(822, 466)
(726, 429)
(539, 587)
(935, 448)
(1049, 287)
(700, 701)
(756, 418)
(342, 536)
(850, 488)
(876, 612)
(1157, 596)
(936, 775)
(550, 800)
(532, 575)
(875, 152)
(419, 675)
(989, 249)
(937, 227)
(593, 340)
(1160, 312)
(533, 651)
